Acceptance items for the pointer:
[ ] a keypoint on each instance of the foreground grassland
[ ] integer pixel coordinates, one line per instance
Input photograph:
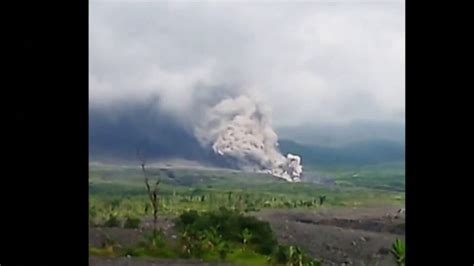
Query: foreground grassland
(117, 198)
(121, 191)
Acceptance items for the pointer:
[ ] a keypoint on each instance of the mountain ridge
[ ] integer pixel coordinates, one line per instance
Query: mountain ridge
(364, 152)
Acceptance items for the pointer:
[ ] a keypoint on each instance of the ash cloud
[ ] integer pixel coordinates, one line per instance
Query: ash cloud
(160, 72)
(234, 133)
(239, 128)
(312, 62)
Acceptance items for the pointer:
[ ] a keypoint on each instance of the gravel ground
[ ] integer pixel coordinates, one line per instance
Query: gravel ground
(101, 261)
(346, 236)
(341, 236)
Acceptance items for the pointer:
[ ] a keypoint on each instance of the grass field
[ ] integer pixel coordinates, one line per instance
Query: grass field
(121, 191)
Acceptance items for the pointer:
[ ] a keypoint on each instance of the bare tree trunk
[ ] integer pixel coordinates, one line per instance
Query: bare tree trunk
(152, 195)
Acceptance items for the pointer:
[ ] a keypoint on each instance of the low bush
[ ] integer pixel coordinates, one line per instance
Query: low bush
(132, 223)
(293, 256)
(113, 221)
(229, 225)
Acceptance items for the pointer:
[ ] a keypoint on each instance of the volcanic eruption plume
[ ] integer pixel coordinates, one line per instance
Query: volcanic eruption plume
(239, 129)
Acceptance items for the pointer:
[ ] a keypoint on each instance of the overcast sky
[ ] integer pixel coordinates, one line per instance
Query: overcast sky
(310, 62)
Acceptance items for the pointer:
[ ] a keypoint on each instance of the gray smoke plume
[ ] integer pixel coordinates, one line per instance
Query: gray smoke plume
(239, 128)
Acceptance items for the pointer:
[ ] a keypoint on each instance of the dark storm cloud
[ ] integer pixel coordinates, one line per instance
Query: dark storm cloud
(310, 62)
(117, 133)
(156, 66)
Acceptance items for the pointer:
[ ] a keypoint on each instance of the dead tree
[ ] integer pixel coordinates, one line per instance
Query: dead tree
(152, 193)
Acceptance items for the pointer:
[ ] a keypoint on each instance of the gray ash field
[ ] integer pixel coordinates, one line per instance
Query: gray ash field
(349, 235)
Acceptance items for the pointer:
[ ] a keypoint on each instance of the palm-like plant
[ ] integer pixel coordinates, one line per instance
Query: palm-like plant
(211, 238)
(398, 251)
(294, 256)
(191, 244)
(246, 236)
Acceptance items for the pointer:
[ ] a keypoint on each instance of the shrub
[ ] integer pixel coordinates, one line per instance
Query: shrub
(113, 221)
(292, 256)
(154, 239)
(229, 225)
(152, 245)
(322, 199)
(190, 243)
(246, 236)
(92, 211)
(133, 223)
(115, 204)
(109, 247)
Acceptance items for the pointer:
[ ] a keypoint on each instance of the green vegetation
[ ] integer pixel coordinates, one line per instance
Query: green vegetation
(221, 235)
(293, 256)
(386, 176)
(355, 154)
(211, 208)
(121, 191)
(113, 221)
(398, 252)
(229, 226)
(322, 199)
(132, 222)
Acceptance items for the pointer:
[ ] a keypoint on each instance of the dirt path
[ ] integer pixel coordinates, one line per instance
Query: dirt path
(127, 237)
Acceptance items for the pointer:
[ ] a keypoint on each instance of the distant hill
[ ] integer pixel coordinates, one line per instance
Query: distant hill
(367, 152)
(117, 134)
(338, 135)
(117, 137)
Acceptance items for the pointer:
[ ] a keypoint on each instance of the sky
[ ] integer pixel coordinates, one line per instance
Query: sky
(309, 63)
